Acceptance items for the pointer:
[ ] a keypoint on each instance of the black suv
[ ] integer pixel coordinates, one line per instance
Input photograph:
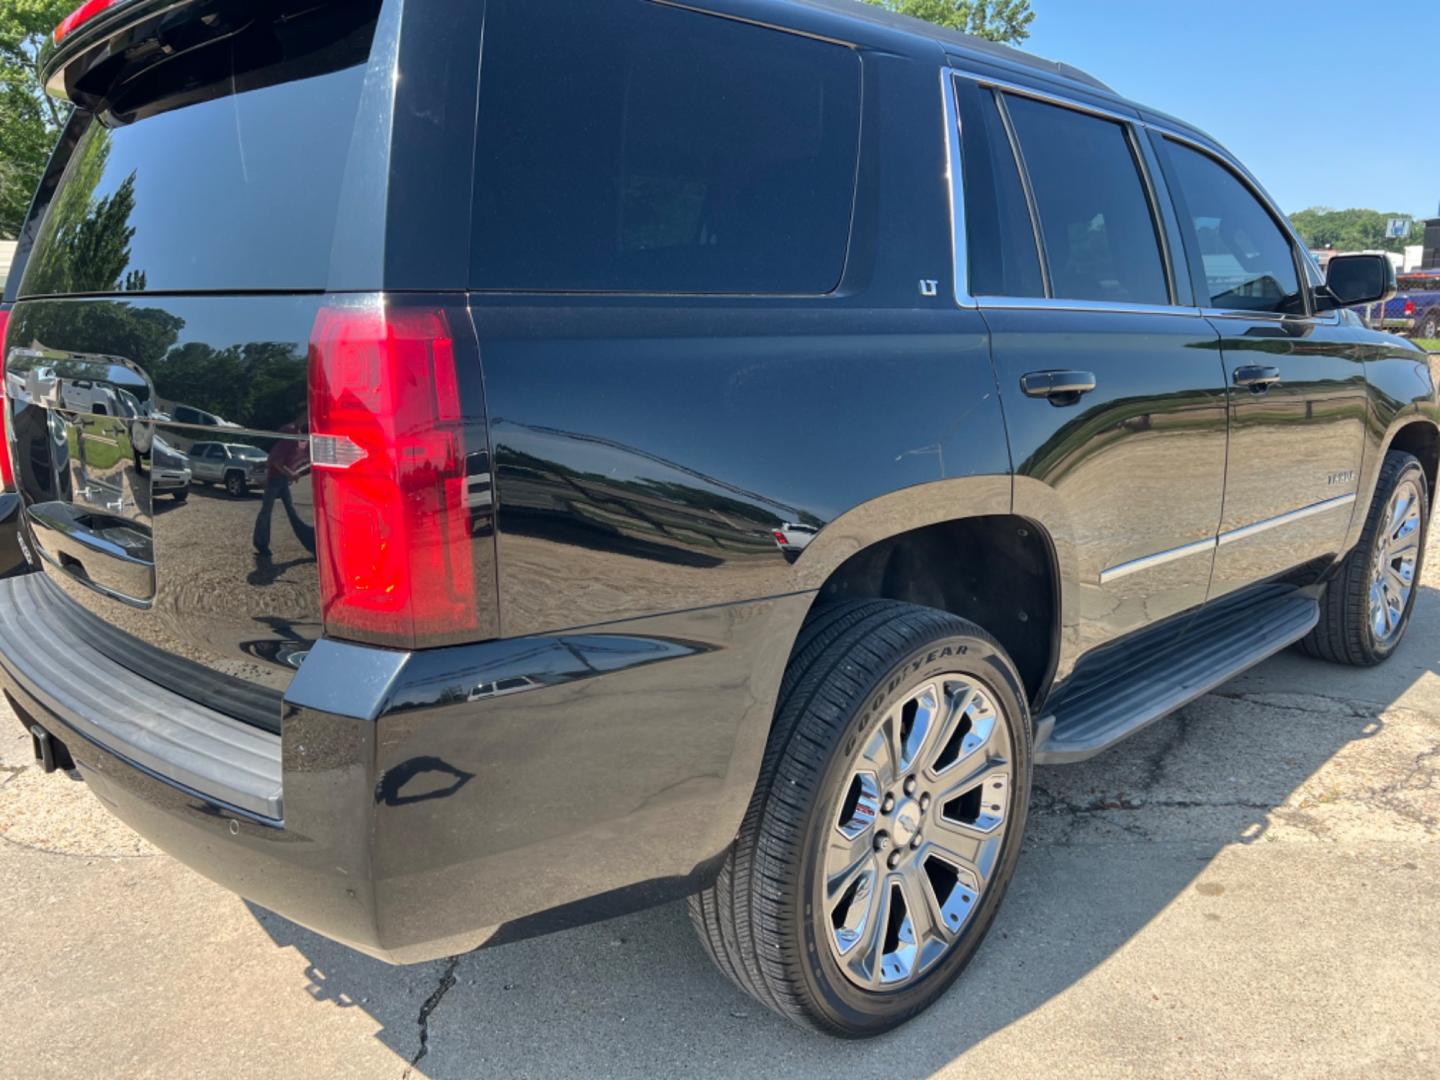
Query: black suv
(719, 450)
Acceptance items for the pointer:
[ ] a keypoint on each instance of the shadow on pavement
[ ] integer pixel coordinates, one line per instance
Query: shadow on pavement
(1111, 844)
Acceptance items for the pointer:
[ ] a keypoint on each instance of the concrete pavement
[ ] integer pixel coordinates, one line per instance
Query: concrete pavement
(1245, 889)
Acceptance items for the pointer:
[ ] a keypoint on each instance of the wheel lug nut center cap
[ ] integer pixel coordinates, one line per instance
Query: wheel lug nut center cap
(907, 821)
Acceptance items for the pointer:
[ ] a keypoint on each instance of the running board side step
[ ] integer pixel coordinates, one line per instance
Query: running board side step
(1131, 688)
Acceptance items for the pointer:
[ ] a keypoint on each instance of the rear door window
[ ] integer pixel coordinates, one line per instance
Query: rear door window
(638, 147)
(1248, 258)
(218, 170)
(1096, 218)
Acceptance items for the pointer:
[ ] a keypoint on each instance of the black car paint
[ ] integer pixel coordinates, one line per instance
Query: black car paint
(643, 450)
(390, 759)
(12, 554)
(178, 342)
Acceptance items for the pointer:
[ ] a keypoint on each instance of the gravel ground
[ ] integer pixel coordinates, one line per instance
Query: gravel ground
(1245, 889)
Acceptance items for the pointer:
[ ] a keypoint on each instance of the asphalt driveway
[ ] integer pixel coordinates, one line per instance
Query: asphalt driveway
(1248, 888)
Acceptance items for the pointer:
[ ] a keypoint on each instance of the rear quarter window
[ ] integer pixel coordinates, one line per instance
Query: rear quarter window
(637, 147)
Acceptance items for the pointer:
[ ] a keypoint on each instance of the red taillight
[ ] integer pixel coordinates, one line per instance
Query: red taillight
(7, 474)
(780, 538)
(389, 467)
(80, 16)
(1409, 308)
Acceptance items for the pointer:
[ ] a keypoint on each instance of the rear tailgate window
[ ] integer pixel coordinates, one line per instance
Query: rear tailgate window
(219, 170)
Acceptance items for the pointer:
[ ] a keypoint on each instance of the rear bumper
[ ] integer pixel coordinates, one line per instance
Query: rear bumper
(417, 804)
(58, 676)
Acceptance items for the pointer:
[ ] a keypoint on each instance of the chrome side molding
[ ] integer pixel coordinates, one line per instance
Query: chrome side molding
(1160, 558)
(1210, 543)
(1247, 531)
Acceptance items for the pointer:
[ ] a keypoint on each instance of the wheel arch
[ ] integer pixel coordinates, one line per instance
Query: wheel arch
(958, 546)
(1419, 436)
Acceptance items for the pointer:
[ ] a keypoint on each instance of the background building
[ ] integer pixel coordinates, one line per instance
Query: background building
(7, 254)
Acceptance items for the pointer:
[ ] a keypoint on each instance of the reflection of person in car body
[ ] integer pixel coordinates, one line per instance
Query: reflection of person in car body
(286, 464)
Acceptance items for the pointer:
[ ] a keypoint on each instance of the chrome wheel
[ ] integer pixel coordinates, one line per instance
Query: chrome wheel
(1397, 553)
(917, 832)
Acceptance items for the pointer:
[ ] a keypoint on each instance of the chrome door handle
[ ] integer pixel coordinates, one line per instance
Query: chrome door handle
(1061, 387)
(1258, 377)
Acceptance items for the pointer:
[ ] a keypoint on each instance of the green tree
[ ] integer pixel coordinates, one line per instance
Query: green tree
(141, 334)
(84, 243)
(1352, 230)
(30, 121)
(1006, 21)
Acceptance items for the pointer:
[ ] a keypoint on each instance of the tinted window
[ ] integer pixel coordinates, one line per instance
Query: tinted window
(636, 147)
(999, 237)
(1095, 217)
(219, 171)
(1249, 263)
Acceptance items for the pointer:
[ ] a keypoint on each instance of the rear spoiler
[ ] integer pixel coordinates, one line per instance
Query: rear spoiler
(117, 34)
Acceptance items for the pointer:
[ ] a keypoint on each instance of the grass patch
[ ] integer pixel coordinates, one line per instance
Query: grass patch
(1429, 344)
(101, 453)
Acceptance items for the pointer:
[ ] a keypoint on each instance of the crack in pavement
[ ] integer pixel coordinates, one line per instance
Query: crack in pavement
(1358, 710)
(447, 980)
(1103, 805)
(1158, 762)
(1422, 776)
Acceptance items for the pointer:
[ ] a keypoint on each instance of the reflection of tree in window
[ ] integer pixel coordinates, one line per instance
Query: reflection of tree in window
(84, 243)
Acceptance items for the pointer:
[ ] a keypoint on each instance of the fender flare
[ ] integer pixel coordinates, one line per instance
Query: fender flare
(896, 512)
(1421, 408)
(941, 501)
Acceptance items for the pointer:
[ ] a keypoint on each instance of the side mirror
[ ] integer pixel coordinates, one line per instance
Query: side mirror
(1360, 279)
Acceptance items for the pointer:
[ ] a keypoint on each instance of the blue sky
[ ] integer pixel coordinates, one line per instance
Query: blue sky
(1328, 103)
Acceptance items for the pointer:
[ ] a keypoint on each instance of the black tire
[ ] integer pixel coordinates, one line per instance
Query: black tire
(1344, 634)
(235, 485)
(181, 495)
(758, 920)
(1429, 326)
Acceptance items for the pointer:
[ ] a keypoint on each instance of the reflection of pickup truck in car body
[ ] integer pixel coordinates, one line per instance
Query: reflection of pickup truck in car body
(236, 466)
(1415, 310)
